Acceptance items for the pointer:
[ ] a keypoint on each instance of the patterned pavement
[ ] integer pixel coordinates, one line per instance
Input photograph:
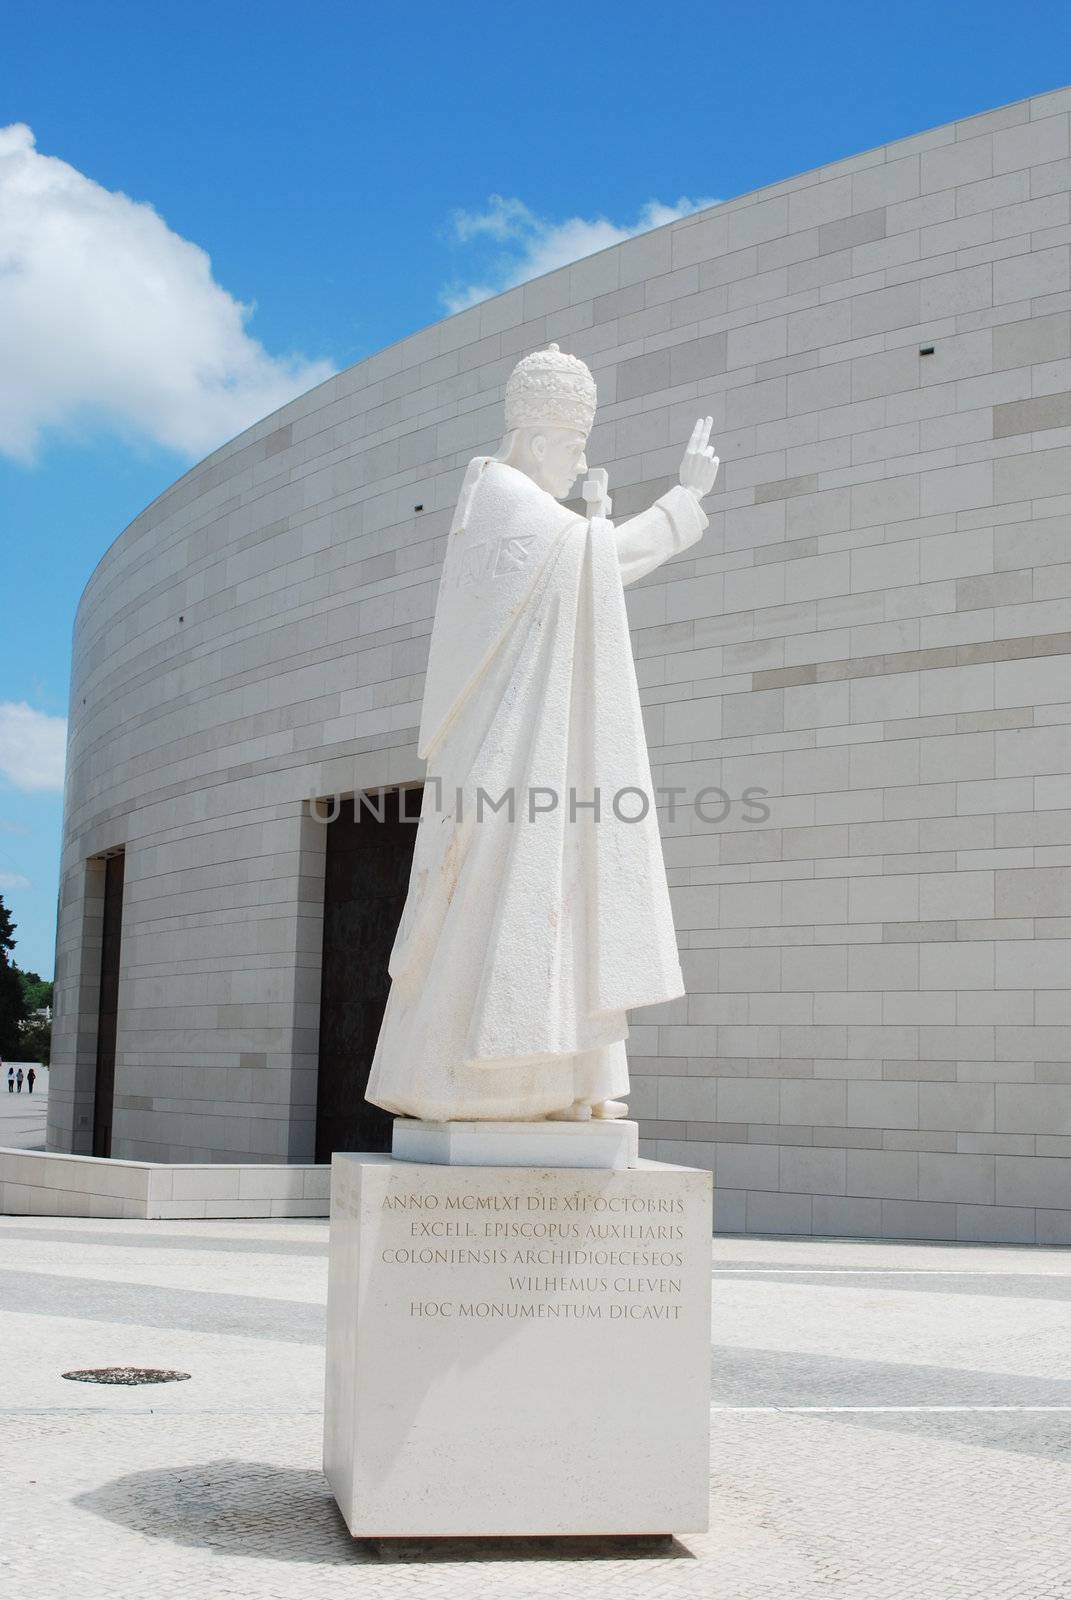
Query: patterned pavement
(891, 1422)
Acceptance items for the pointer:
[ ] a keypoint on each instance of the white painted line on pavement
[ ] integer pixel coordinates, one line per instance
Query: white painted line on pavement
(881, 1272)
(159, 1411)
(889, 1410)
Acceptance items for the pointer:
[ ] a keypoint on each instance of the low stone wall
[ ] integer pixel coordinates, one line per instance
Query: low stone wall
(43, 1184)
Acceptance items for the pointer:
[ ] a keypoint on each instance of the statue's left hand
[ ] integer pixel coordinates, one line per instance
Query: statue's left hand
(699, 468)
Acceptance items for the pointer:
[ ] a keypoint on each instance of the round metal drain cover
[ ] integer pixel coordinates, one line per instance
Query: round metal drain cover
(128, 1375)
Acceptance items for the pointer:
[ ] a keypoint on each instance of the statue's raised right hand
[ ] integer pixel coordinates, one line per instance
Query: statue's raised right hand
(699, 468)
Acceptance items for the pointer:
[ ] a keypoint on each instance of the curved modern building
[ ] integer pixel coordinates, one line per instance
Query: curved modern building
(876, 631)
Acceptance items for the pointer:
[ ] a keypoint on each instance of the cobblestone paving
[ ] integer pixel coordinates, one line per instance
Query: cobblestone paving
(891, 1422)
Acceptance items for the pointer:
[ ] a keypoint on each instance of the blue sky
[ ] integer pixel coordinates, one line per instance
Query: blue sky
(351, 171)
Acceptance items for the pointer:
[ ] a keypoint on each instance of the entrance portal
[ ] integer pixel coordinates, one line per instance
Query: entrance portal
(108, 1005)
(366, 878)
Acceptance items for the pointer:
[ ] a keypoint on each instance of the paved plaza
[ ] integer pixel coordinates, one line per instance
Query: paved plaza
(890, 1422)
(23, 1116)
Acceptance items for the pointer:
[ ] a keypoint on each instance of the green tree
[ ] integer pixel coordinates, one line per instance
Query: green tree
(12, 1000)
(35, 1041)
(36, 991)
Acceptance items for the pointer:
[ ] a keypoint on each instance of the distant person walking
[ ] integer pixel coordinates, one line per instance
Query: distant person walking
(31, 1078)
(10, 1079)
(18, 1081)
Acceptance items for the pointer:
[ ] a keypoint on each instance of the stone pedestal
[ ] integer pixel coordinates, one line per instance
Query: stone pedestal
(518, 1350)
(518, 1144)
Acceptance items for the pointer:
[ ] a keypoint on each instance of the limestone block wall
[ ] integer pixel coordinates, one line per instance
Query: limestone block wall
(876, 631)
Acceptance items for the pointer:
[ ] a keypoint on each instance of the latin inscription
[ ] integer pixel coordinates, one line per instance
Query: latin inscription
(545, 1257)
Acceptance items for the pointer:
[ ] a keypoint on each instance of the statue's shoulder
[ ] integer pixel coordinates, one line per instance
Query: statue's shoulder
(508, 488)
(499, 502)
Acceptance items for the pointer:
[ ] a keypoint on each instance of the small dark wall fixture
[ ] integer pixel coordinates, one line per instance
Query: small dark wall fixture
(366, 876)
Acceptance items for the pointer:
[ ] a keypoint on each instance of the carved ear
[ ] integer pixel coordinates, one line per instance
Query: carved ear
(539, 446)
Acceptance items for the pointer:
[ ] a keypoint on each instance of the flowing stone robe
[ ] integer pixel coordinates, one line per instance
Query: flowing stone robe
(525, 941)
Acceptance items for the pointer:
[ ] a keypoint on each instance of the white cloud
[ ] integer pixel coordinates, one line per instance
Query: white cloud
(14, 880)
(33, 746)
(13, 827)
(529, 245)
(108, 317)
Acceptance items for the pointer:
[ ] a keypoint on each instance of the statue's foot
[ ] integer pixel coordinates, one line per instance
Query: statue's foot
(606, 1109)
(577, 1112)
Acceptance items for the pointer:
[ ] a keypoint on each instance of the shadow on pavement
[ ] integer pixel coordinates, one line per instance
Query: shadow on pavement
(152, 1306)
(109, 1234)
(901, 1397)
(251, 1508)
(749, 1376)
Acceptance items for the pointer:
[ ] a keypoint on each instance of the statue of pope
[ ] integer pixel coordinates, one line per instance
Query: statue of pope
(538, 912)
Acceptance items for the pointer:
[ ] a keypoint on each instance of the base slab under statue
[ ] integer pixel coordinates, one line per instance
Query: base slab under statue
(594, 1143)
(519, 1351)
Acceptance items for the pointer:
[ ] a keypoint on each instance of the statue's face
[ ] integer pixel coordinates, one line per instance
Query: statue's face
(558, 459)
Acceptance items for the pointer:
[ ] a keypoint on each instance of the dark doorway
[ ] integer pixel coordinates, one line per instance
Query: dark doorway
(108, 1005)
(365, 883)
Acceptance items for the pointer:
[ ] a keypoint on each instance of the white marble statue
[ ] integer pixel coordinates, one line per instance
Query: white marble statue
(533, 922)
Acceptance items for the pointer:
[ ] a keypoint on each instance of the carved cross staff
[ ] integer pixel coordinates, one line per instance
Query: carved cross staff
(595, 493)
